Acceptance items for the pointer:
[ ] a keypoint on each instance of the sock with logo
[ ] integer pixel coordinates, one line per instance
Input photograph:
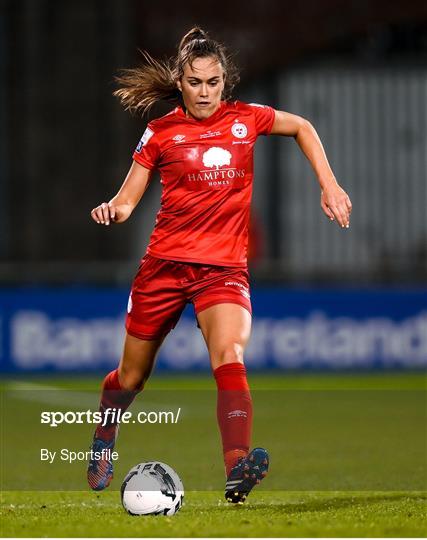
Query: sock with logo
(113, 397)
(234, 412)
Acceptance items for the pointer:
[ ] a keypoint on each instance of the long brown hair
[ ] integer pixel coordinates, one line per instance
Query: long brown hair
(155, 80)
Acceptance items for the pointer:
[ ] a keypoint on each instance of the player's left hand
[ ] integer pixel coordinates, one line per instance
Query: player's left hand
(336, 204)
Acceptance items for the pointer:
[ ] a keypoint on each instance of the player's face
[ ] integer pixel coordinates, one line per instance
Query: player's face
(202, 85)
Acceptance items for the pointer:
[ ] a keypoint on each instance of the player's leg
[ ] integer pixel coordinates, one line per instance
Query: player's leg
(155, 305)
(226, 330)
(119, 389)
(137, 361)
(121, 385)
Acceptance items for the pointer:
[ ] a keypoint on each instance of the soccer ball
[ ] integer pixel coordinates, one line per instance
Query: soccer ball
(152, 488)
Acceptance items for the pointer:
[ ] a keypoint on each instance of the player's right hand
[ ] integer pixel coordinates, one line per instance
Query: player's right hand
(104, 214)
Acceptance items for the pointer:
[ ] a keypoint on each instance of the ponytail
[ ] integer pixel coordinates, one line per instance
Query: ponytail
(155, 80)
(143, 86)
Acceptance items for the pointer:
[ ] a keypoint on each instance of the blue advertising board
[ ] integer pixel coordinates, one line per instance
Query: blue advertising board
(82, 329)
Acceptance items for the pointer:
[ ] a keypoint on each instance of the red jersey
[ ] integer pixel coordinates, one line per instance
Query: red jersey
(206, 169)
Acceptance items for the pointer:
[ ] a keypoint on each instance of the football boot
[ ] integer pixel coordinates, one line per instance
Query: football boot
(247, 473)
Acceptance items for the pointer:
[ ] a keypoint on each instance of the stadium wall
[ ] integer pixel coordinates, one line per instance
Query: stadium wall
(353, 329)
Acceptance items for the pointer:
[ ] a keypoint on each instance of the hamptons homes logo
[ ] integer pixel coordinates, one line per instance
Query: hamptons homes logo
(219, 171)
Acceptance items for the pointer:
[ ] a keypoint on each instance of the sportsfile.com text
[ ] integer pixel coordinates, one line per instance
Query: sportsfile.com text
(109, 416)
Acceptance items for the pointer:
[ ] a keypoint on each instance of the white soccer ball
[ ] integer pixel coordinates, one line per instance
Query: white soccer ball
(152, 488)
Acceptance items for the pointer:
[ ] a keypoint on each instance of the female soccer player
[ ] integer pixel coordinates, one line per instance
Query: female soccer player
(197, 252)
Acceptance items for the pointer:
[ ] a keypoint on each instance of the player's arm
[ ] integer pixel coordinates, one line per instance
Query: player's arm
(334, 200)
(121, 205)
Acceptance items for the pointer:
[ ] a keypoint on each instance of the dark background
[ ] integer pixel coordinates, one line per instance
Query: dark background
(356, 70)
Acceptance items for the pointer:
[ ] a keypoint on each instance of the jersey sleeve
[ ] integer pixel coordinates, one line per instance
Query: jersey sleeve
(147, 152)
(264, 118)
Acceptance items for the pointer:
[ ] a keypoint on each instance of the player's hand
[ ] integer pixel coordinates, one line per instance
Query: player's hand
(105, 214)
(336, 204)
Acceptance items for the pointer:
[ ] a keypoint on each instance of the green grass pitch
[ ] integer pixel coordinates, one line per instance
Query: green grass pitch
(205, 514)
(348, 458)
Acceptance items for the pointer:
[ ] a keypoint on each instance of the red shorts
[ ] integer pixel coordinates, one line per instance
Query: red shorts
(162, 288)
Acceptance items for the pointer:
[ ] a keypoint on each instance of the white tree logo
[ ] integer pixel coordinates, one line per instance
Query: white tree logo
(216, 157)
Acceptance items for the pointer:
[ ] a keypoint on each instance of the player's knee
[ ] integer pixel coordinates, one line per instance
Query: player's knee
(229, 354)
(132, 380)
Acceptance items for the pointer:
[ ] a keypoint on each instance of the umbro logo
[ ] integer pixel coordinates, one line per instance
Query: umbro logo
(178, 138)
(237, 413)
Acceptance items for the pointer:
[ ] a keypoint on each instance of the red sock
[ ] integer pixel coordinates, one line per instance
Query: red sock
(112, 397)
(234, 412)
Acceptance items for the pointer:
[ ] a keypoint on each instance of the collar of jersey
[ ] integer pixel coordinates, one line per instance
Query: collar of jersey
(180, 112)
